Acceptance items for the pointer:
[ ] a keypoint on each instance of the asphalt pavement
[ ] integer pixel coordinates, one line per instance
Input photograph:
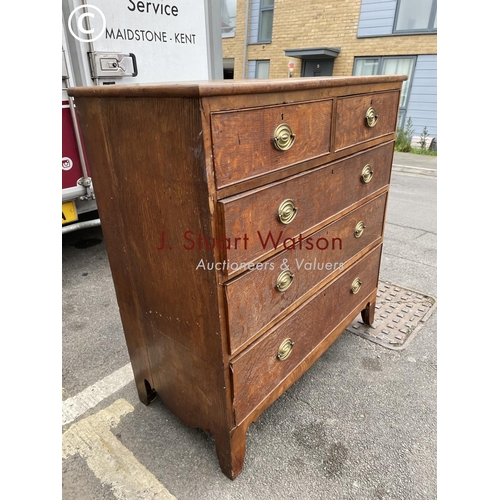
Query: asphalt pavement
(360, 424)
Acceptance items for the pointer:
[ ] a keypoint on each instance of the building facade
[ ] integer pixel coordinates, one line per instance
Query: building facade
(286, 38)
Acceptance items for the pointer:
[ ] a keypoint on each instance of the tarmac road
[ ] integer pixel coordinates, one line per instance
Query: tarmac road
(360, 424)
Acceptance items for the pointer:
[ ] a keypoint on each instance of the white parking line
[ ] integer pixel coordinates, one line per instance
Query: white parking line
(77, 405)
(111, 462)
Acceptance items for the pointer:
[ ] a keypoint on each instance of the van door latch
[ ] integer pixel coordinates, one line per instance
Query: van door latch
(112, 65)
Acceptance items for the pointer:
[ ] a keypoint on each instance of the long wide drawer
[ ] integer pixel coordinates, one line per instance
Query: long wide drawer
(366, 117)
(256, 223)
(258, 297)
(244, 145)
(258, 370)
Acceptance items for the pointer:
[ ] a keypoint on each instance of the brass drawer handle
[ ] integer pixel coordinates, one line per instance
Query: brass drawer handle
(366, 174)
(287, 211)
(356, 286)
(371, 117)
(285, 280)
(285, 349)
(358, 230)
(283, 137)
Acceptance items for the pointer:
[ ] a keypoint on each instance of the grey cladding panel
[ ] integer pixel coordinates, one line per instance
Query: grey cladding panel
(253, 34)
(376, 17)
(422, 107)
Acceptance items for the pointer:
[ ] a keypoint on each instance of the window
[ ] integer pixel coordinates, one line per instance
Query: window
(228, 18)
(266, 20)
(415, 16)
(262, 69)
(389, 66)
(228, 68)
(258, 69)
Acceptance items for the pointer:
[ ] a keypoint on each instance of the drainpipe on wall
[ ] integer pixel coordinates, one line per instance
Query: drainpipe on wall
(246, 40)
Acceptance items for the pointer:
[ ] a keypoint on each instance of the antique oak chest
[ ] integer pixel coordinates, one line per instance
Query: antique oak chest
(243, 222)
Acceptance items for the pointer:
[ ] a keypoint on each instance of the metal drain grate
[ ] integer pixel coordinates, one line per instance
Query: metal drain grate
(399, 314)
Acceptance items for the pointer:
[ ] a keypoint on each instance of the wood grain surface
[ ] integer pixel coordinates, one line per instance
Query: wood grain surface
(243, 140)
(253, 301)
(257, 371)
(350, 127)
(319, 196)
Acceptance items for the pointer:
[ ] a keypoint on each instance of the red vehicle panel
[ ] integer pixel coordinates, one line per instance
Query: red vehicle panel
(71, 166)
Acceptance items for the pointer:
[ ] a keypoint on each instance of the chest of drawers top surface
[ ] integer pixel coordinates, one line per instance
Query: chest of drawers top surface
(212, 88)
(215, 199)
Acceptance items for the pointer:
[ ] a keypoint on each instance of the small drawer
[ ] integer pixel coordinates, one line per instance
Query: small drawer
(258, 297)
(252, 142)
(266, 364)
(366, 117)
(256, 223)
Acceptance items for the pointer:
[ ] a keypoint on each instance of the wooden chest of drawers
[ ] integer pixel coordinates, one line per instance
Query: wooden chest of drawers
(243, 222)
